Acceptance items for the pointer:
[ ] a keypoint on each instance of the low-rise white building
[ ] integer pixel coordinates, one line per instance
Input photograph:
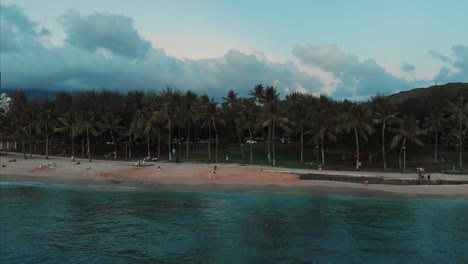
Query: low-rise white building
(4, 103)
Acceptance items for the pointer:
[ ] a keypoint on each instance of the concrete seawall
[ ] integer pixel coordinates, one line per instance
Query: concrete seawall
(378, 179)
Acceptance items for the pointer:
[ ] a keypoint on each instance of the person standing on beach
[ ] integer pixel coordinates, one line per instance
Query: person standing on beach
(209, 175)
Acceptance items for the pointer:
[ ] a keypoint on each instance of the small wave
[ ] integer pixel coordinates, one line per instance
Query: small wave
(62, 186)
(32, 184)
(111, 188)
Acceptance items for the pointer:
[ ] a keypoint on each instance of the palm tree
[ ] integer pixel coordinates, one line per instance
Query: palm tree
(133, 132)
(214, 118)
(434, 122)
(68, 123)
(43, 124)
(408, 131)
(358, 119)
(30, 117)
(145, 119)
(274, 119)
(385, 115)
(111, 123)
(167, 119)
(88, 122)
(20, 135)
(191, 112)
(459, 112)
(246, 121)
(323, 125)
(299, 114)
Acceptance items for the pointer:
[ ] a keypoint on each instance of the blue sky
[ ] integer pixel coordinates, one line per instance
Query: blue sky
(345, 49)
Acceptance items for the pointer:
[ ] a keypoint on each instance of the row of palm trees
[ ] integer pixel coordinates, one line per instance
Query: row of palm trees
(157, 118)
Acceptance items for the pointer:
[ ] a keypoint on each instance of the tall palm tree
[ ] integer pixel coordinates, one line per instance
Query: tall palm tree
(192, 113)
(30, 117)
(166, 116)
(43, 124)
(299, 115)
(434, 122)
(275, 119)
(213, 118)
(358, 119)
(111, 123)
(67, 123)
(408, 131)
(246, 121)
(459, 112)
(385, 115)
(323, 126)
(145, 119)
(89, 123)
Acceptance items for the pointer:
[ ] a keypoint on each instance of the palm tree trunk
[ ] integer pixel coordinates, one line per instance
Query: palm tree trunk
(30, 140)
(130, 147)
(250, 135)
(73, 144)
(401, 150)
(357, 148)
(24, 150)
(159, 147)
(436, 142)
(383, 147)
(188, 140)
(209, 142)
(47, 143)
(89, 147)
(323, 153)
(241, 146)
(460, 143)
(169, 144)
(273, 143)
(269, 142)
(148, 144)
(216, 137)
(115, 144)
(180, 142)
(302, 144)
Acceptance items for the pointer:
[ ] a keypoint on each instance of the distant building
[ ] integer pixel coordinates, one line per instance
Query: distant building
(4, 103)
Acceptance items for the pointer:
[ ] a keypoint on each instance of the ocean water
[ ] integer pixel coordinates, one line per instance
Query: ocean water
(44, 223)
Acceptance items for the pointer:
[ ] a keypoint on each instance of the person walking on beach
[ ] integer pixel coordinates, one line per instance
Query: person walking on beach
(209, 175)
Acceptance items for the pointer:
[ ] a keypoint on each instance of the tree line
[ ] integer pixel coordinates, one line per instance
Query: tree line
(169, 117)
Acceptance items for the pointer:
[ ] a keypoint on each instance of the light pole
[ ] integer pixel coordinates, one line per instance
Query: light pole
(404, 158)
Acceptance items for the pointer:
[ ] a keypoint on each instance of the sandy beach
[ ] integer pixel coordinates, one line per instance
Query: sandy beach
(229, 177)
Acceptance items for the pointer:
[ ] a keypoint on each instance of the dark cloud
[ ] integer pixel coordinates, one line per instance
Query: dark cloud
(115, 33)
(359, 79)
(16, 19)
(440, 56)
(406, 67)
(79, 65)
(456, 69)
(16, 29)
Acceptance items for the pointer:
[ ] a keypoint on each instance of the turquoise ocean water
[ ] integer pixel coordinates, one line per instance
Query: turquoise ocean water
(44, 223)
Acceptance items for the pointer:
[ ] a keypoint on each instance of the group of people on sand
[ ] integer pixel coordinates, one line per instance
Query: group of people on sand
(53, 165)
(421, 174)
(212, 175)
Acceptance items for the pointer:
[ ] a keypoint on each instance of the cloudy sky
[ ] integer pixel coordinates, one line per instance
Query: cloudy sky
(345, 49)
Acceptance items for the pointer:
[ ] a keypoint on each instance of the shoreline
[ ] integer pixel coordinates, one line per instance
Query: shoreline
(230, 178)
